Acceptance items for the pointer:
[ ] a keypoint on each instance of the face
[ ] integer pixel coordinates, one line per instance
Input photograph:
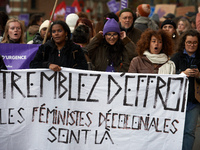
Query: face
(58, 34)
(169, 28)
(126, 19)
(81, 23)
(40, 21)
(14, 31)
(111, 37)
(193, 25)
(181, 26)
(155, 45)
(43, 33)
(191, 44)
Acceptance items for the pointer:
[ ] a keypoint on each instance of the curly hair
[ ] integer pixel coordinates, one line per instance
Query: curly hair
(144, 42)
(6, 35)
(181, 44)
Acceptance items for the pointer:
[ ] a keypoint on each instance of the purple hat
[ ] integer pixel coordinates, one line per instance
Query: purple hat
(111, 26)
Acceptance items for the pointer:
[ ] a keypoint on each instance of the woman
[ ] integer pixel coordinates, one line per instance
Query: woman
(154, 49)
(111, 50)
(14, 32)
(186, 59)
(33, 27)
(170, 27)
(183, 25)
(39, 37)
(60, 51)
(3, 19)
(81, 36)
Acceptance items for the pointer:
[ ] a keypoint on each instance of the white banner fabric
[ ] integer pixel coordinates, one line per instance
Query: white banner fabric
(88, 110)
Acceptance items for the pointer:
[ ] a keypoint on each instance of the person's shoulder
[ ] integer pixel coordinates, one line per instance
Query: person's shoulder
(138, 58)
(177, 54)
(30, 42)
(48, 45)
(136, 31)
(74, 46)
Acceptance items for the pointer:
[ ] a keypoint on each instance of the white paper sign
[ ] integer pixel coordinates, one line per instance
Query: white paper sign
(88, 110)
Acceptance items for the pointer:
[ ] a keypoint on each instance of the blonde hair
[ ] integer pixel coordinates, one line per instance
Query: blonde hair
(6, 36)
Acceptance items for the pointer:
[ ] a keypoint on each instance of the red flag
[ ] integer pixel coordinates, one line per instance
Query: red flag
(60, 10)
(77, 5)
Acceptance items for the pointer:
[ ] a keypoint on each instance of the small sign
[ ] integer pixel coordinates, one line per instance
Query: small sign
(25, 18)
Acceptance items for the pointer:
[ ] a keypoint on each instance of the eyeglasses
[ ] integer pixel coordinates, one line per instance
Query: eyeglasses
(189, 43)
(112, 35)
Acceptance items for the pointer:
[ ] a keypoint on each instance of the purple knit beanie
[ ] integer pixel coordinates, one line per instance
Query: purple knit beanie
(111, 26)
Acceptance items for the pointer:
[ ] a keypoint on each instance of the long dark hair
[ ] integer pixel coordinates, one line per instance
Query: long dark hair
(115, 52)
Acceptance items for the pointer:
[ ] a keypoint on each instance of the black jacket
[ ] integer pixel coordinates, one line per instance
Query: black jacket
(182, 64)
(37, 39)
(71, 56)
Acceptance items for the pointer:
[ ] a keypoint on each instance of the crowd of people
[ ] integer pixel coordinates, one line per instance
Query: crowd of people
(125, 42)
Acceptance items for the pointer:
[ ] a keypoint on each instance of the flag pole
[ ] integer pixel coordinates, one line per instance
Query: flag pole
(50, 20)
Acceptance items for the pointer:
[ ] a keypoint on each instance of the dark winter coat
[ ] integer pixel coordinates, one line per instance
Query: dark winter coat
(99, 54)
(182, 64)
(133, 33)
(71, 56)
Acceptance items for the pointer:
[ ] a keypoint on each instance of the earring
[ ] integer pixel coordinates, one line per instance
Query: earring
(66, 38)
(174, 35)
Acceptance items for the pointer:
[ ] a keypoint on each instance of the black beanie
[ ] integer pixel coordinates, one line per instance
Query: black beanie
(168, 22)
(126, 10)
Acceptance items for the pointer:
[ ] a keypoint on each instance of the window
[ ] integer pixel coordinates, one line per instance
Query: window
(33, 4)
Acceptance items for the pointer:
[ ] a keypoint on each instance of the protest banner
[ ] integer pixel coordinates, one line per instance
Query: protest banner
(69, 10)
(59, 9)
(18, 56)
(181, 11)
(25, 18)
(124, 4)
(164, 9)
(87, 110)
(113, 6)
(76, 5)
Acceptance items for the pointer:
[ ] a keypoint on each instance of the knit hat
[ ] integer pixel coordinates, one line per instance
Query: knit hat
(111, 26)
(71, 20)
(168, 22)
(45, 24)
(126, 10)
(144, 10)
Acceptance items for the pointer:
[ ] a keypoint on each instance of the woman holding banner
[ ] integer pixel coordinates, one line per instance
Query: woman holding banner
(60, 51)
(154, 49)
(187, 61)
(14, 32)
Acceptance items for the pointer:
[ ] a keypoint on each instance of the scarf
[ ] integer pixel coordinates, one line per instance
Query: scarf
(168, 66)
